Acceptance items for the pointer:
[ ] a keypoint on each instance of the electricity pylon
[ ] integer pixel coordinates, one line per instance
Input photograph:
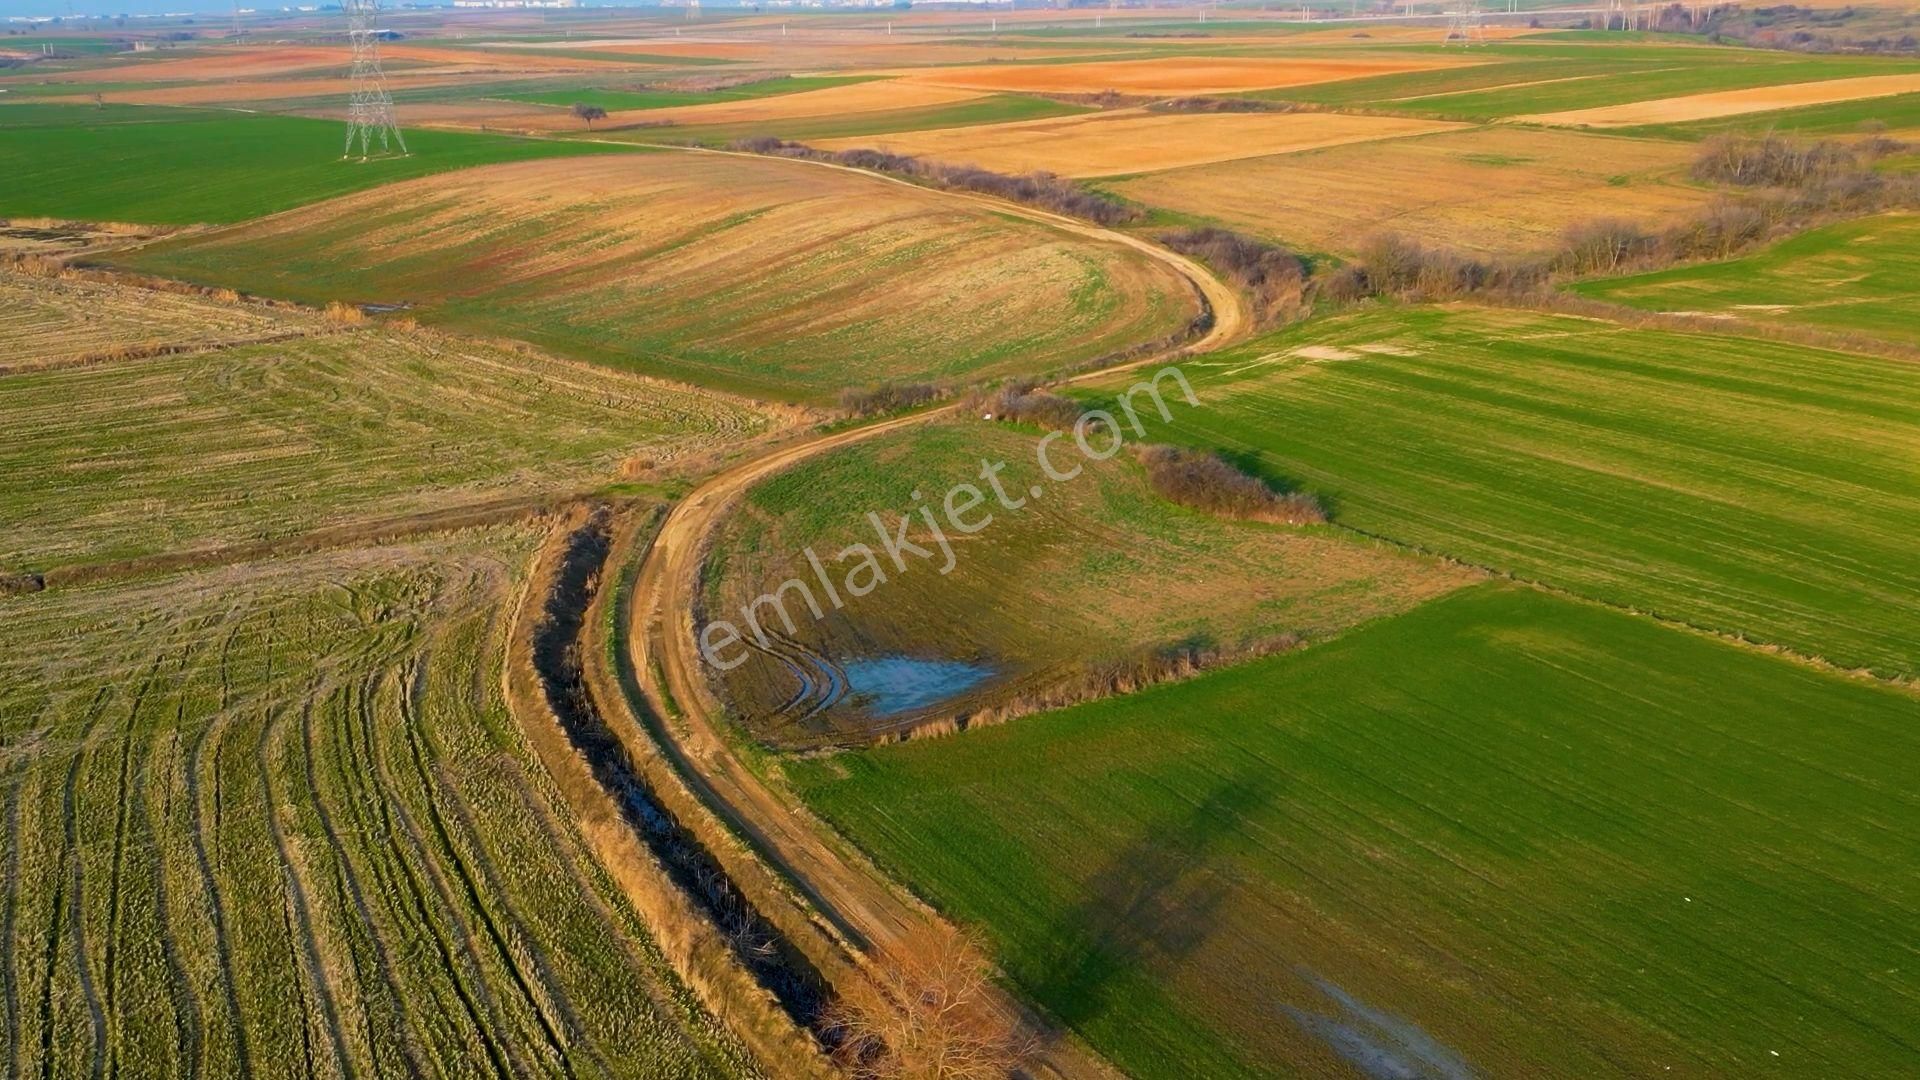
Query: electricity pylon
(1463, 25)
(370, 109)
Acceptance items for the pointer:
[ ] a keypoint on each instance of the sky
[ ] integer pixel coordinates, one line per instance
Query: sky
(11, 8)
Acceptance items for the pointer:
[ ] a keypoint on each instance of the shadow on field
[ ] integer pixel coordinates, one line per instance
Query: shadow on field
(1153, 903)
(1261, 463)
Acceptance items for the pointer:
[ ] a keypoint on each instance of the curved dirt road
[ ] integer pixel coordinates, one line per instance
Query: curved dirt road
(850, 893)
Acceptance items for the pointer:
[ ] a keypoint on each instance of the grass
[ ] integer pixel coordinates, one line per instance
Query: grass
(247, 443)
(771, 278)
(1858, 276)
(1529, 835)
(1691, 71)
(272, 818)
(613, 99)
(1745, 486)
(161, 166)
(1506, 67)
(1092, 573)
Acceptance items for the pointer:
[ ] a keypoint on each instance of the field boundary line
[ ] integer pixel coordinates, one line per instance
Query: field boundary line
(1909, 684)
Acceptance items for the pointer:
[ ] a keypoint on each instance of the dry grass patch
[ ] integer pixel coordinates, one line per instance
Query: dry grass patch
(1133, 141)
(239, 445)
(52, 320)
(1680, 110)
(1170, 75)
(1492, 190)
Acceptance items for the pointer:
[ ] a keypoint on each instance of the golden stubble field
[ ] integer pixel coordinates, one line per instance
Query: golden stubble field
(1172, 75)
(1493, 189)
(1680, 110)
(1137, 141)
(783, 279)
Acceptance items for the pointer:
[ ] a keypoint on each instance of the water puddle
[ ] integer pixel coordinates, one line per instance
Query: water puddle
(891, 685)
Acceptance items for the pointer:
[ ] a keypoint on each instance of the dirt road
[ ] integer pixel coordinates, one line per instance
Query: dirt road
(853, 895)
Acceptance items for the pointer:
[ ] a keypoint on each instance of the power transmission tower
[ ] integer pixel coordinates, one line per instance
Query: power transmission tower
(370, 110)
(1463, 25)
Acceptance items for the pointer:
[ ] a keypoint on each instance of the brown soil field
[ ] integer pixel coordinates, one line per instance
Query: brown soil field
(833, 101)
(1136, 141)
(777, 278)
(51, 321)
(492, 58)
(1429, 34)
(1170, 75)
(1730, 102)
(1491, 190)
(814, 49)
(220, 93)
(248, 64)
(234, 63)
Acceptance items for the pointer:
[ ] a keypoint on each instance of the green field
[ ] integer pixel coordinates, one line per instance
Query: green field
(275, 820)
(117, 460)
(1094, 573)
(1580, 77)
(613, 99)
(1505, 834)
(1504, 64)
(1856, 277)
(160, 166)
(1750, 487)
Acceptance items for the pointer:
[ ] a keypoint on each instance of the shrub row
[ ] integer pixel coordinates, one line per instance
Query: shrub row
(1022, 401)
(1041, 189)
(1275, 277)
(887, 397)
(1221, 105)
(1788, 187)
(1208, 482)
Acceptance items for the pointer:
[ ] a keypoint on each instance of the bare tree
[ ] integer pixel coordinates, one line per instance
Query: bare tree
(927, 1015)
(589, 113)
